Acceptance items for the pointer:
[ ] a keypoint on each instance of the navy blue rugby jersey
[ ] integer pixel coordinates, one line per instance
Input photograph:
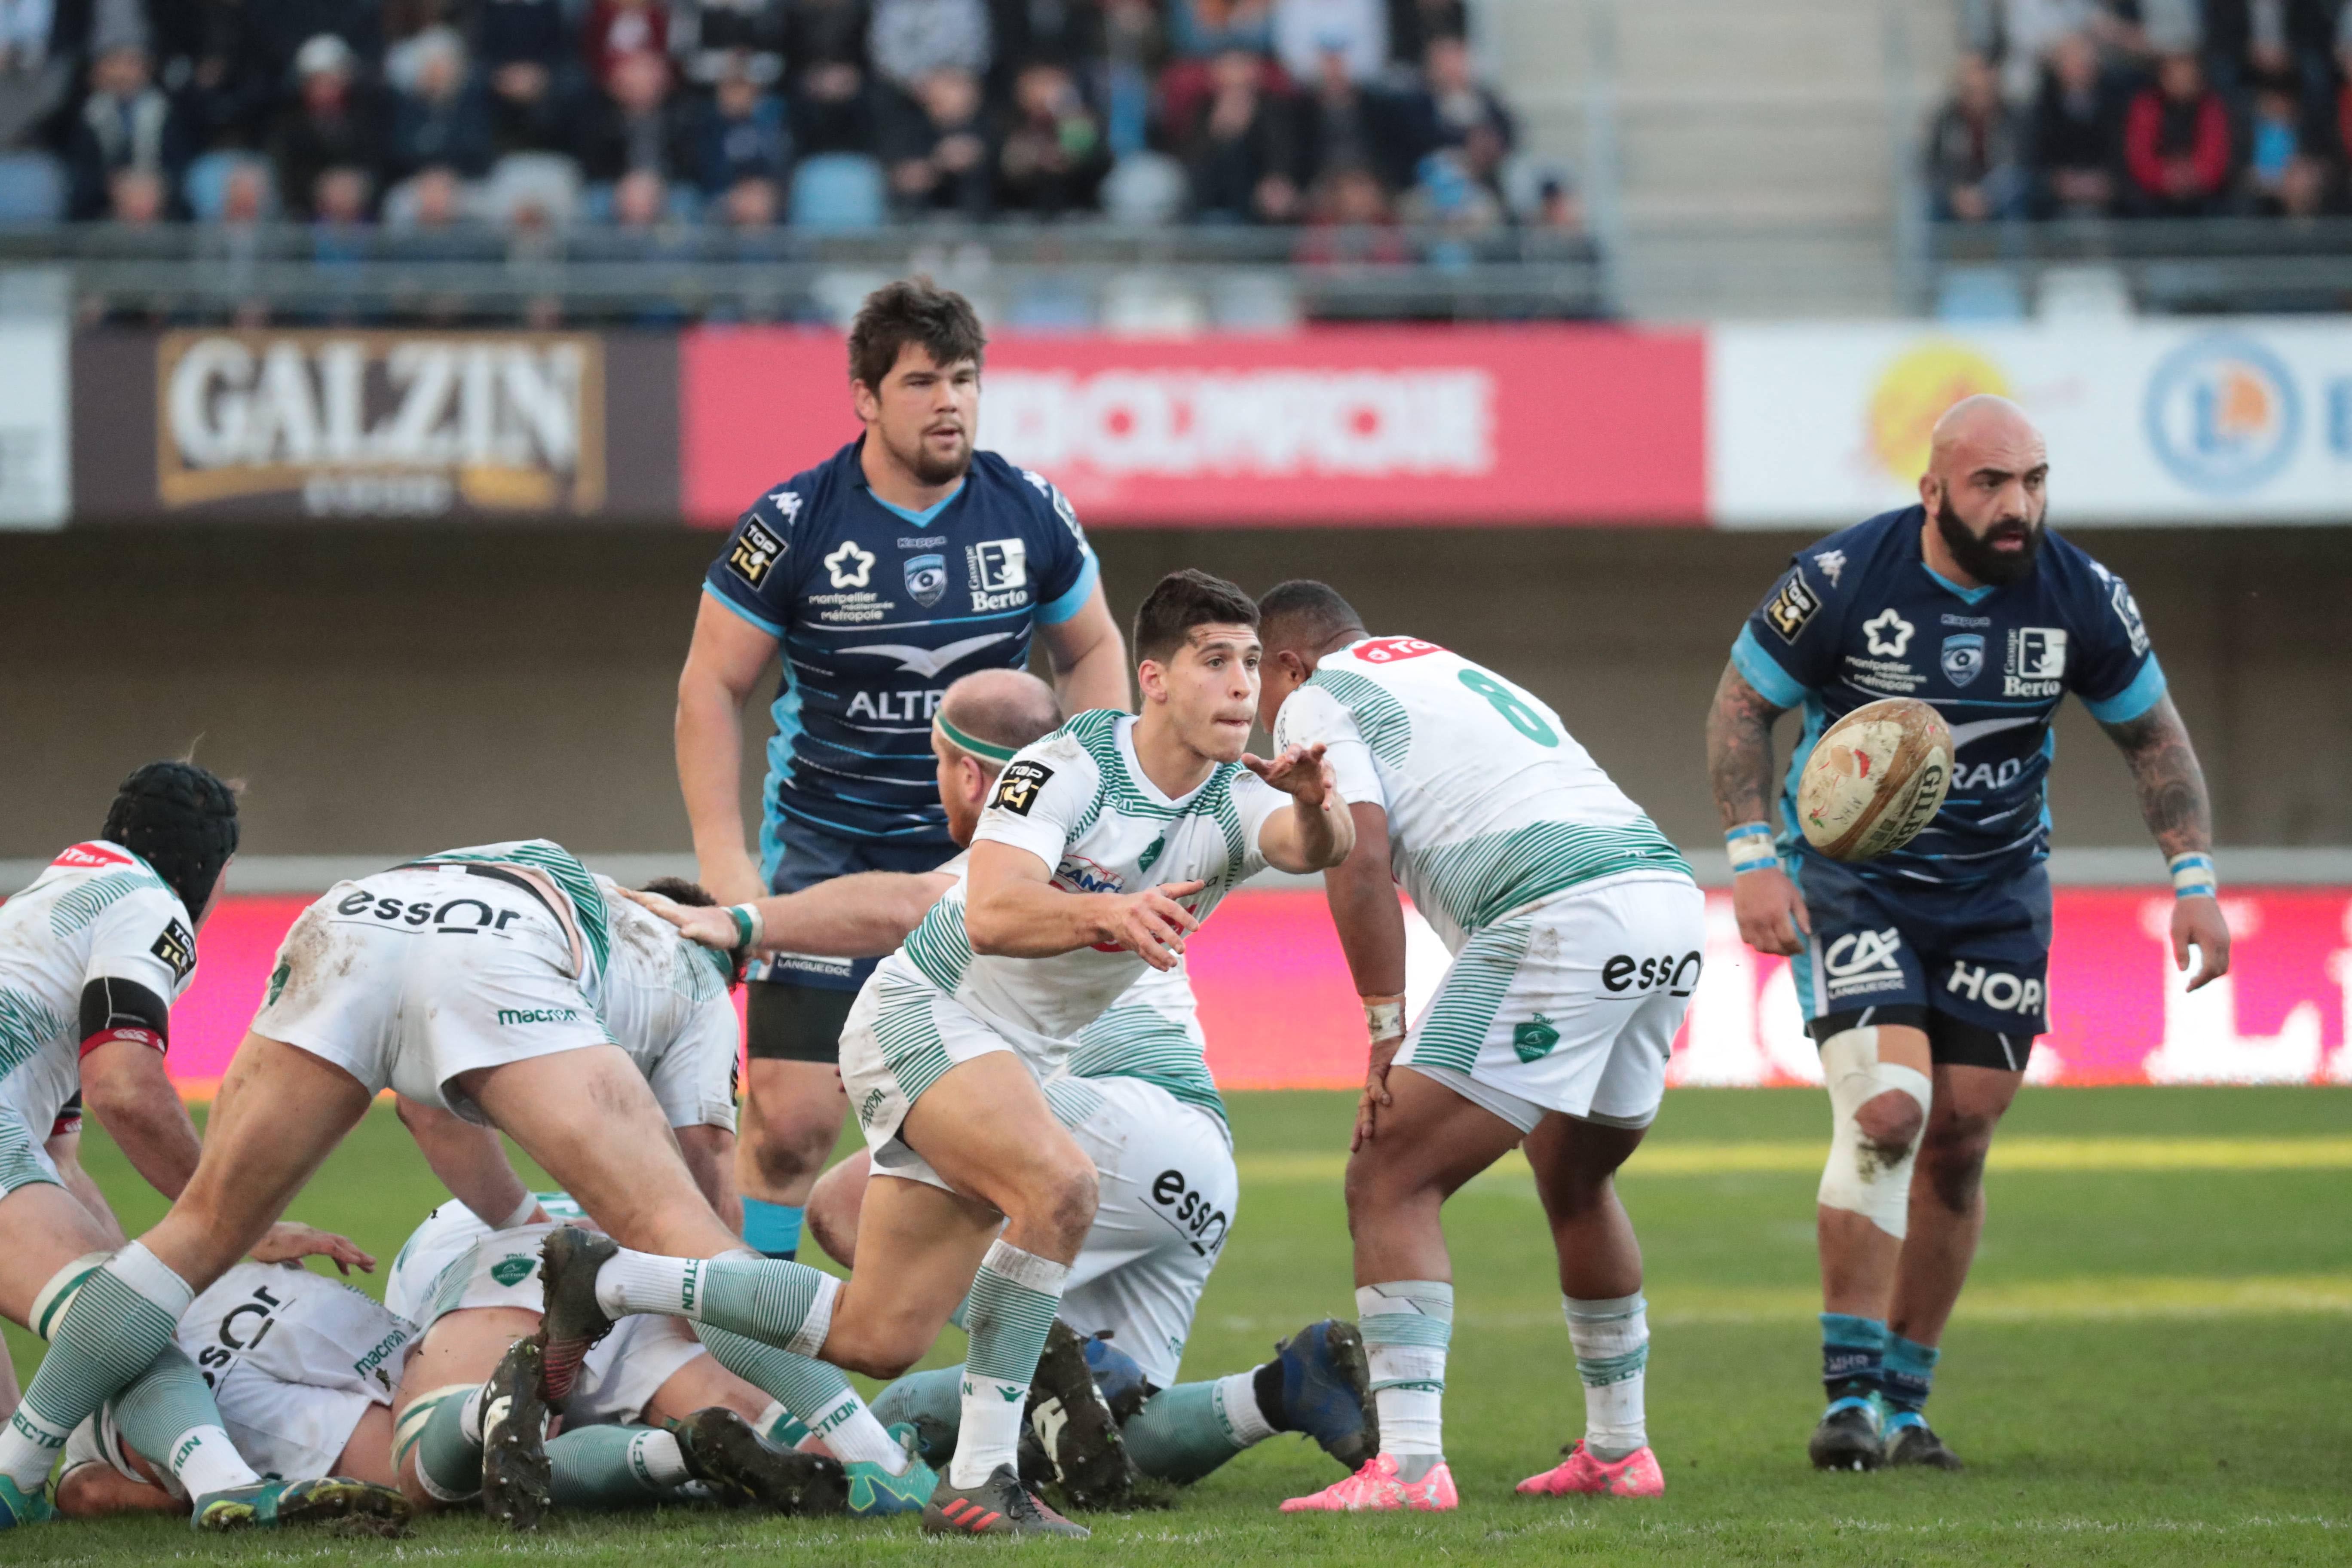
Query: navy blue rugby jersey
(1860, 615)
(879, 610)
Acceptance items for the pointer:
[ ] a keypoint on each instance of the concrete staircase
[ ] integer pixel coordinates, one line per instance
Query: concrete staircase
(1756, 143)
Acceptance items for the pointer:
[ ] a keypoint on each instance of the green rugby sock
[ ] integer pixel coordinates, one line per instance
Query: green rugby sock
(445, 1427)
(121, 1320)
(168, 1414)
(613, 1467)
(1012, 1303)
(818, 1394)
(1183, 1433)
(789, 1305)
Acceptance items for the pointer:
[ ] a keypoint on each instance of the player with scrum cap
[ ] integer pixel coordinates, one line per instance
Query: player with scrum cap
(1923, 972)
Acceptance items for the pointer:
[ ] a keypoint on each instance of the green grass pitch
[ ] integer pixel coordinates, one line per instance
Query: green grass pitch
(2155, 1365)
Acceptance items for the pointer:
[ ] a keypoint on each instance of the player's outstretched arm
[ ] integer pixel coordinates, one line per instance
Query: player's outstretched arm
(723, 663)
(2180, 814)
(862, 915)
(1316, 833)
(472, 1164)
(1361, 891)
(1772, 913)
(1012, 909)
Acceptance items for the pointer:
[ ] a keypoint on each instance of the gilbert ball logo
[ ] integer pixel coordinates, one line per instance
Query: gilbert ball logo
(2222, 414)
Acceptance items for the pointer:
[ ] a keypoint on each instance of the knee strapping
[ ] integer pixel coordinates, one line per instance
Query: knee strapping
(1860, 1177)
(56, 1296)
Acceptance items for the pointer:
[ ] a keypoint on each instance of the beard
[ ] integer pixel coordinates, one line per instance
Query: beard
(1976, 555)
(932, 468)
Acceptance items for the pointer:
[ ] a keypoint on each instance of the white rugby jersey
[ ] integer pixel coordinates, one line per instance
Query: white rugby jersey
(566, 886)
(98, 913)
(1079, 801)
(1152, 1033)
(1492, 804)
(449, 1234)
(666, 1004)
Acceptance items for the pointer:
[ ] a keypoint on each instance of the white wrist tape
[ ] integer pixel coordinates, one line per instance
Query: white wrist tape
(750, 924)
(1750, 845)
(1383, 1016)
(2193, 875)
(523, 1214)
(1858, 1177)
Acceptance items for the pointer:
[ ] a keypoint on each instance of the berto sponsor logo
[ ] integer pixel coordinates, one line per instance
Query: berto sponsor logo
(375, 423)
(2222, 414)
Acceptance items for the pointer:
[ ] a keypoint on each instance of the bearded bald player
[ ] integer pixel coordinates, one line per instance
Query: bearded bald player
(1924, 973)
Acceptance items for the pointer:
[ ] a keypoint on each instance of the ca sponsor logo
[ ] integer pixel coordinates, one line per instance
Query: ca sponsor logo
(1863, 960)
(1994, 988)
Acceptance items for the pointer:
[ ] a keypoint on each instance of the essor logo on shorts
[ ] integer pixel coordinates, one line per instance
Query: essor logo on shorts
(1191, 1211)
(755, 550)
(538, 1015)
(1017, 788)
(1791, 607)
(177, 947)
(1387, 650)
(1997, 989)
(1624, 973)
(1863, 960)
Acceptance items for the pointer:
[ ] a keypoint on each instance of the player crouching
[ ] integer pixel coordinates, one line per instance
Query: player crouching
(1576, 931)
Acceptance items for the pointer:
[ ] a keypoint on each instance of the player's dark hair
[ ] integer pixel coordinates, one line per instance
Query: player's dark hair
(1304, 615)
(912, 311)
(1183, 600)
(678, 890)
(182, 820)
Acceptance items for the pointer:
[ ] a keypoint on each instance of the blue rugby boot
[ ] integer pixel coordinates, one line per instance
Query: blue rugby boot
(875, 1493)
(19, 1507)
(1326, 1391)
(1118, 1377)
(274, 1503)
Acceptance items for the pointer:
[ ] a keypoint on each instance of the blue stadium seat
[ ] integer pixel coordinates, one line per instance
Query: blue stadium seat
(837, 191)
(32, 188)
(1979, 294)
(206, 184)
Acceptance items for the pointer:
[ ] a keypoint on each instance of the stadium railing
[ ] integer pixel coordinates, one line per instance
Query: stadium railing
(2167, 265)
(1070, 275)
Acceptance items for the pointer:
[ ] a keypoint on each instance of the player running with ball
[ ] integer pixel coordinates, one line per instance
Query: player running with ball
(1923, 972)
(1576, 931)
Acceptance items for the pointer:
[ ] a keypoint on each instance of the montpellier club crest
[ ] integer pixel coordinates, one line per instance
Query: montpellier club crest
(1964, 657)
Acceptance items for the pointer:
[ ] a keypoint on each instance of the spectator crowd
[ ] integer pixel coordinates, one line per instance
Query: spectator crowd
(1349, 116)
(2074, 109)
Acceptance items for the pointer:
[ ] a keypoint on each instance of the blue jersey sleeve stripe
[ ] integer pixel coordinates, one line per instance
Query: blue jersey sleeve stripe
(1761, 670)
(1072, 602)
(765, 625)
(2145, 692)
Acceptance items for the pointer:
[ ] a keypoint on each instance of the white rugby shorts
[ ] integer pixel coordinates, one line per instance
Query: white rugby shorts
(408, 978)
(1570, 1006)
(1169, 1190)
(23, 1157)
(900, 1035)
(450, 1265)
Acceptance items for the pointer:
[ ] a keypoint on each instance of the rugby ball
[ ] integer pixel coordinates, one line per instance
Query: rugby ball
(1876, 778)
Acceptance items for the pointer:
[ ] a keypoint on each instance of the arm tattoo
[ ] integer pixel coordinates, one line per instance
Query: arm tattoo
(2172, 798)
(1739, 750)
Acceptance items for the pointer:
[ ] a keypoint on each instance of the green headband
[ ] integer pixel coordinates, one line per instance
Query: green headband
(977, 747)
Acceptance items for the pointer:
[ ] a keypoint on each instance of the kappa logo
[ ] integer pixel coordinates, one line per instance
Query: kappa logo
(1833, 565)
(1888, 634)
(787, 503)
(849, 566)
(513, 1269)
(755, 550)
(1791, 607)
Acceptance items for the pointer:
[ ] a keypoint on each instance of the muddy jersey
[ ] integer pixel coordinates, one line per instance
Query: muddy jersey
(1860, 615)
(1492, 805)
(99, 912)
(666, 1004)
(1078, 800)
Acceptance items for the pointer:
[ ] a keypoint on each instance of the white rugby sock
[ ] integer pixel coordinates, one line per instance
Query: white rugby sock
(1237, 1402)
(1611, 1336)
(204, 1461)
(850, 1430)
(646, 1282)
(1407, 1324)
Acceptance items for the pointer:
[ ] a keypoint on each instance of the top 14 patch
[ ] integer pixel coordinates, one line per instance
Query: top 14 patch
(754, 552)
(1016, 790)
(177, 947)
(1792, 607)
